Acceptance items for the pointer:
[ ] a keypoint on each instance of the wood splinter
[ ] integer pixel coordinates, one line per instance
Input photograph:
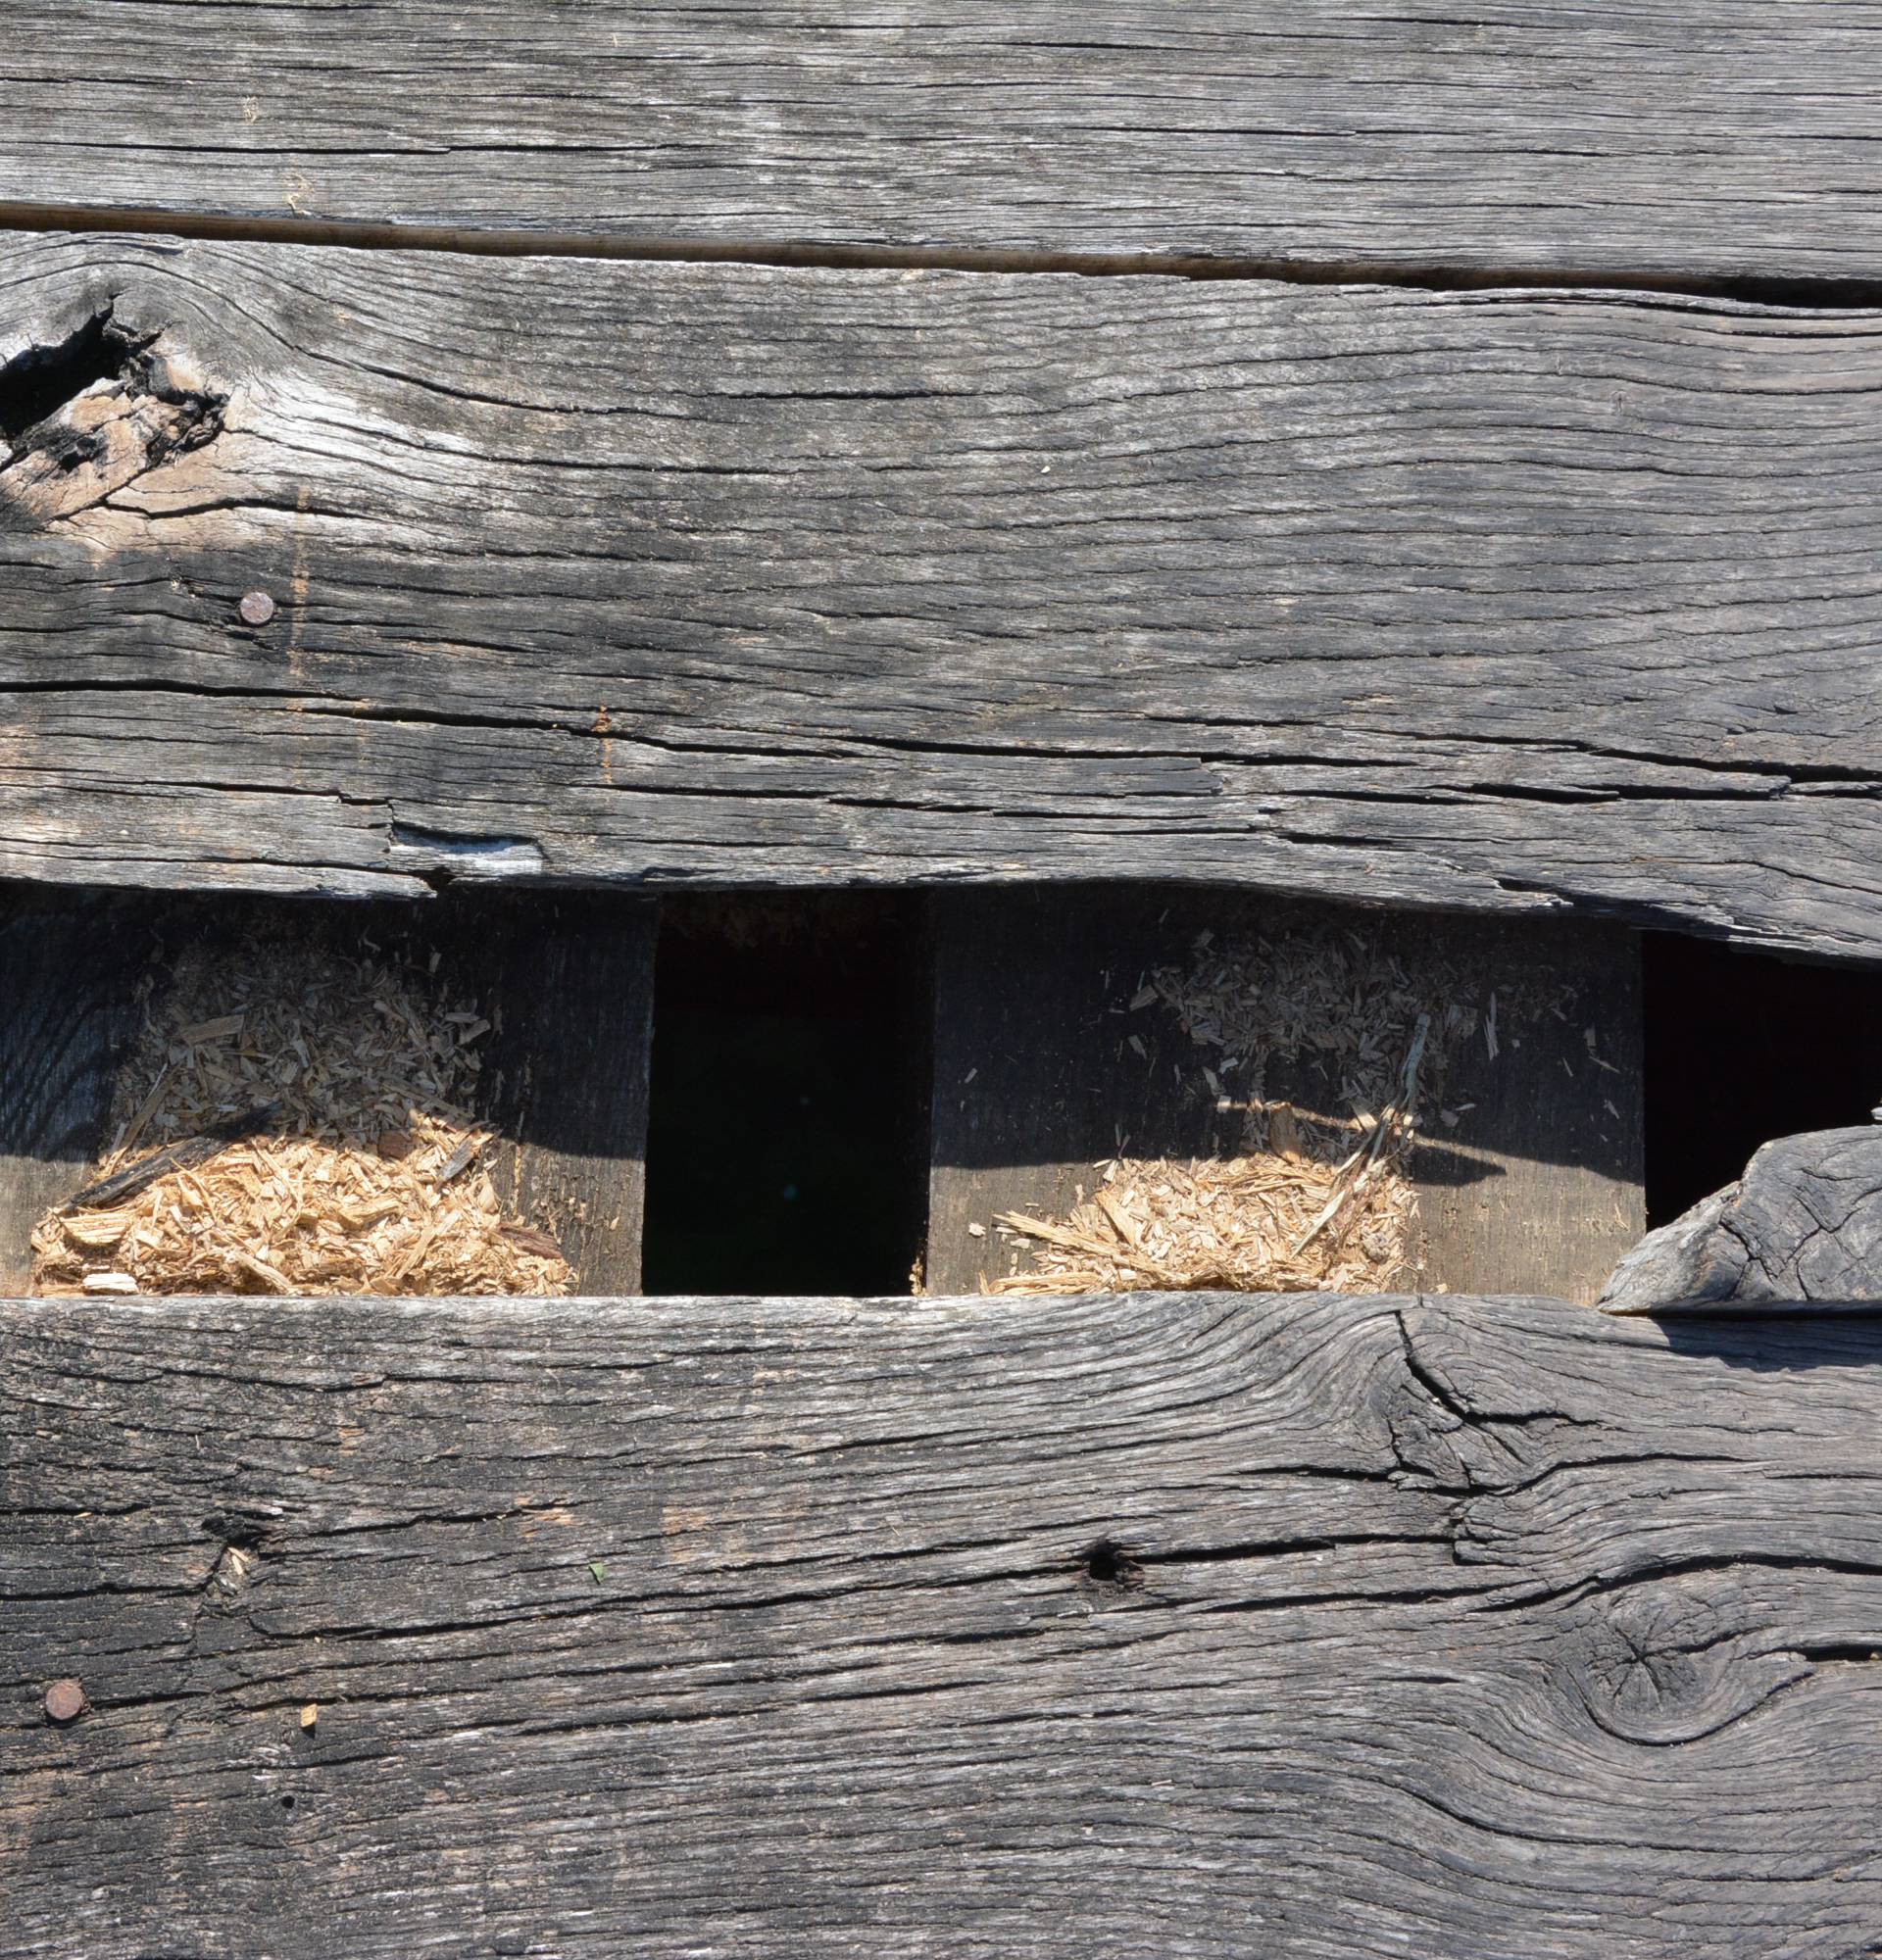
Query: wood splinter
(184, 1155)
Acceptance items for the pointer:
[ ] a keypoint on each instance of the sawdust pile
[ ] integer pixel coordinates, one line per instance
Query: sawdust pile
(289, 1124)
(1315, 1198)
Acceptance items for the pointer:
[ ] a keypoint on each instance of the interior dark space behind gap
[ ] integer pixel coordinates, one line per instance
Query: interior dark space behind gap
(1742, 1048)
(43, 379)
(786, 1147)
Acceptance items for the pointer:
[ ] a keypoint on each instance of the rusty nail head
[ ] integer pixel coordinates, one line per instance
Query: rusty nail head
(257, 608)
(66, 1701)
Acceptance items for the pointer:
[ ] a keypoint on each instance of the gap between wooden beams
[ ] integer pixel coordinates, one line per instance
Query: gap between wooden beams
(1815, 294)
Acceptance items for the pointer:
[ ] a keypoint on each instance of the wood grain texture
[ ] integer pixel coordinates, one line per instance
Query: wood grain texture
(1041, 1074)
(609, 572)
(69, 970)
(1804, 1223)
(568, 980)
(1436, 1626)
(1730, 138)
(1036, 1084)
(1540, 1184)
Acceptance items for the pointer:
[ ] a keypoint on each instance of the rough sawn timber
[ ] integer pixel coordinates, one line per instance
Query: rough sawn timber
(1427, 1626)
(1804, 1223)
(567, 980)
(71, 967)
(598, 571)
(1713, 139)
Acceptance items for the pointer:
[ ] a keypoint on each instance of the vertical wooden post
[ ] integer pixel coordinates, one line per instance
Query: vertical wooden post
(568, 982)
(1036, 1078)
(70, 964)
(1539, 1185)
(1041, 1072)
(565, 981)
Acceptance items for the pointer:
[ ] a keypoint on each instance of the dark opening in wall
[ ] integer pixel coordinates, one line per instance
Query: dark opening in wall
(39, 382)
(786, 1145)
(1742, 1048)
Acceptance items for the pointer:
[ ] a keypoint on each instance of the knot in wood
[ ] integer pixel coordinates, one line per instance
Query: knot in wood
(86, 416)
(1663, 1664)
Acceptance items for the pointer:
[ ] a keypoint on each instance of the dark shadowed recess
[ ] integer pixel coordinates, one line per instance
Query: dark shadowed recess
(791, 1055)
(1742, 1048)
(786, 1142)
(41, 380)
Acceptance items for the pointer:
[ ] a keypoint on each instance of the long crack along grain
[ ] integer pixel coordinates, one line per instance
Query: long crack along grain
(293, 1121)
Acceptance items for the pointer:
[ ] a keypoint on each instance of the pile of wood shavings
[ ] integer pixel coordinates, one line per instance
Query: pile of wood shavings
(1315, 1199)
(362, 1175)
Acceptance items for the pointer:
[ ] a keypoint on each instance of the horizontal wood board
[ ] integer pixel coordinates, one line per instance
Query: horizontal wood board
(1735, 138)
(608, 572)
(1804, 1223)
(1195, 1625)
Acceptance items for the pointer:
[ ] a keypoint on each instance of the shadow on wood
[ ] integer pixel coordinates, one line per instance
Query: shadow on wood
(565, 980)
(1043, 1073)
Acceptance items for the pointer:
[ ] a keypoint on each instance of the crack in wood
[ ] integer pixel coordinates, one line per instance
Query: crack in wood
(1820, 293)
(1307, 1699)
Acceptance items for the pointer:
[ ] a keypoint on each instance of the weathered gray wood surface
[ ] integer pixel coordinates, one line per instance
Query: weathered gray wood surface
(1435, 1627)
(1804, 1223)
(600, 571)
(1735, 137)
(1537, 1183)
(568, 980)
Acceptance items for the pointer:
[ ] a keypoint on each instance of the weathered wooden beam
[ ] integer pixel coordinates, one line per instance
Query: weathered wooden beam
(1804, 1223)
(604, 572)
(1189, 1624)
(567, 980)
(1042, 1072)
(1728, 138)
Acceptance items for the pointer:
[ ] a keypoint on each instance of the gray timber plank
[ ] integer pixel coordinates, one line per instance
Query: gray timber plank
(605, 572)
(1804, 1223)
(1041, 1074)
(1429, 1627)
(1699, 137)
